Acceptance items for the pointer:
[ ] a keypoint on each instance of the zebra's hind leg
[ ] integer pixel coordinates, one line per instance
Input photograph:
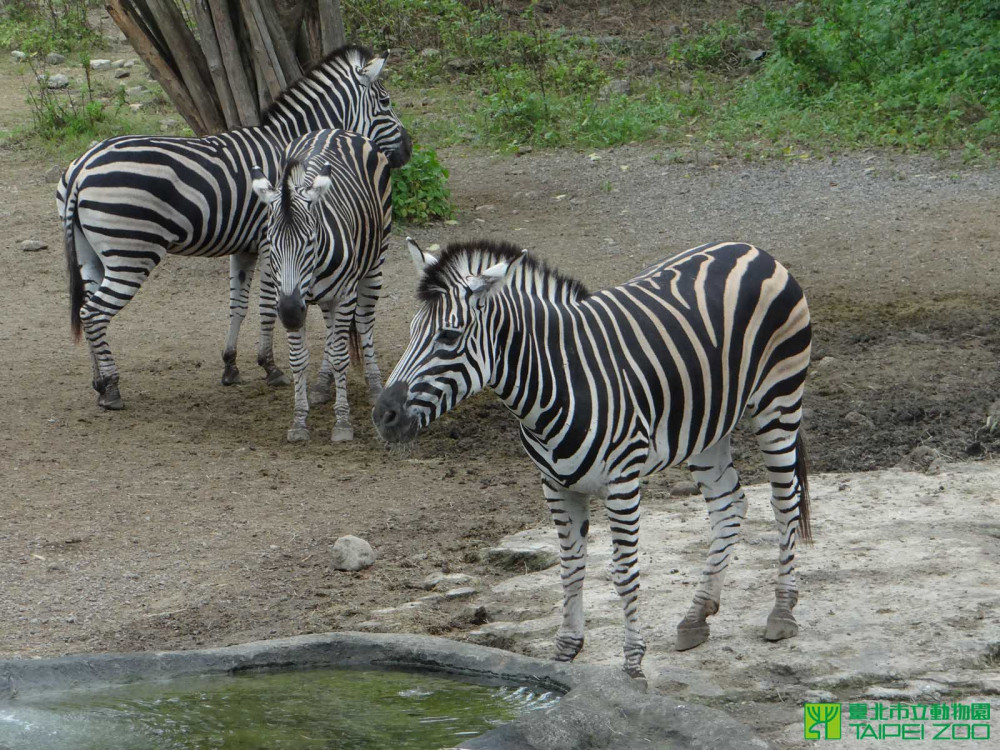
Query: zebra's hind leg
(298, 355)
(337, 358)
(570, 513)
(727, 507)
(368, 293)
(622, 506)
(117, 286)
(780, 439)
(268, 315)
(240, 276)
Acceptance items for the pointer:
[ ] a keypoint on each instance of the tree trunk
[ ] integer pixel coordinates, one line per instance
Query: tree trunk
(242, 54)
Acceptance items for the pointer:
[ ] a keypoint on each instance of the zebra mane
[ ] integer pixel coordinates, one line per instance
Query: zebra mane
(460, 259)
(292, 178)
(355, 54)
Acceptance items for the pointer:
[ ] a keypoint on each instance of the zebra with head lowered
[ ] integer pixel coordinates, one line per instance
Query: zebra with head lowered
(129, 201)
(612, 386)
(328, 228)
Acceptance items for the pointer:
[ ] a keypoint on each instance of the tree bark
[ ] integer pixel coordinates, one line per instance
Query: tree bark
(331, 25)
(217, 69)
(229, 47)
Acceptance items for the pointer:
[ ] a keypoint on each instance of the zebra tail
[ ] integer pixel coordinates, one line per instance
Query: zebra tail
(75, 279)
(354, 343)
(802, 474)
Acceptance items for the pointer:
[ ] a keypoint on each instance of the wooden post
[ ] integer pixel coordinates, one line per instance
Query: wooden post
(243, 93)
(268, 66)
(144, 46)
(213, 56)
(331, 22)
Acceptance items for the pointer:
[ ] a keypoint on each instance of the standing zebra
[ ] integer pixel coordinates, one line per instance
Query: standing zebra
(328, 228)
(129, 201)
(613, 386)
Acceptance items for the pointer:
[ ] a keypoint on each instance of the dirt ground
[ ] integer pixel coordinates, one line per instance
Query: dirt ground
(187, 520)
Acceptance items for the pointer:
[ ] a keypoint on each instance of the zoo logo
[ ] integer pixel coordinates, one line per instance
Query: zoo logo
(825, 714)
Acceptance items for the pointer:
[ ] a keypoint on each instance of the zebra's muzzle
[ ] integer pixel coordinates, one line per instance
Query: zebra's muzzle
(292, 311)
(390, 416)
(399, 156)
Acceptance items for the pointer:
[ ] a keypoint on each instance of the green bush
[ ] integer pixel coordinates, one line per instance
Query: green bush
(420, 191)
(58, 26)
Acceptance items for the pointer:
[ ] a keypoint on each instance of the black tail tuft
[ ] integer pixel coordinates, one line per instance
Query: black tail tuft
(75, 282)
(802, 474)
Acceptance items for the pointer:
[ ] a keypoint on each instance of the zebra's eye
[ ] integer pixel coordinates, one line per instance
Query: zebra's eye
(448, 336)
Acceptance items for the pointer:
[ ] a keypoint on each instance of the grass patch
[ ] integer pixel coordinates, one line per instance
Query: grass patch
(53, 26)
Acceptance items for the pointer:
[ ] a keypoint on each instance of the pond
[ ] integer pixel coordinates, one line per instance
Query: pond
(289, 710)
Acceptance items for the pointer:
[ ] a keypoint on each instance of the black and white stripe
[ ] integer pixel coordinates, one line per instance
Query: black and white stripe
(327, 230)
(129, 201)
(613, 386)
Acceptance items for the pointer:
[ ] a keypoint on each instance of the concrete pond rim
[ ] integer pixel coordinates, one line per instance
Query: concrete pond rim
(600, 706)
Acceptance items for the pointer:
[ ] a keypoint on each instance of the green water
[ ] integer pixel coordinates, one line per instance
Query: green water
(296, 710)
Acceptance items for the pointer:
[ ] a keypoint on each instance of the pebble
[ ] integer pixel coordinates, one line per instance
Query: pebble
(684, 489)
(168, 123)
(54, 58)
(100, 64)
(135, 90)
(31, 246)
(57, 81)
(448, 579)
(463, 592)
(118, 64)
(855, 417)
(522, 559)
(122, 73)
(352, 553)
(18, 56)
(53, 173)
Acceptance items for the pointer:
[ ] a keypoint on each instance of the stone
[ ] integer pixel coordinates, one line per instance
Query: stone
(100, 64)
(429, 52)
(462, 592)
(121, 73)
(129, 63)
(31, 246)
(118, 64)
(136, 106)
(522, 150)
(18, 56)
(136, 90)
(616, 87)
(684, 489)
(684, 87)
(522, 559)
(819, 696)
(445, 580)
(753, 55)
(921, 458)
(54, 58)
(352, 553)
(857, 418)
(824, 363)
(53, 173)
(168, 123)
(461, 65)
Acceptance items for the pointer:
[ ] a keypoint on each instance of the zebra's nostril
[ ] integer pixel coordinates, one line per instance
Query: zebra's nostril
(389, 417)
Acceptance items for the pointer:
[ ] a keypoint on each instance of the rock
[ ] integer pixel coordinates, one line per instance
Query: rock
(121, 73)
(352, 553)
(684, 87)
(168, 123)
(461, 65)
(819, 696)
(136, 106)
(136, 90)
(684, 489)
(445, 580)
(18, 56)
(118, 64)
(100, 64)
(921, 458)
(31, 246)
(462, 592)
(524, 559)
(616, 87)
(824, 363)
(429, 52)
(753, 55)
(522, 150)
(53, 173)
(855, 417)
(129, 63)
(54, 58)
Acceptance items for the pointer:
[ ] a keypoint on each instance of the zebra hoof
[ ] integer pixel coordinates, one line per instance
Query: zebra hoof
(781, 625)
(276, 378)
(297, 435)
(689, 636)
(111, 399)
(231, 376)
(638, 678)
(318, 397)
(342, 434)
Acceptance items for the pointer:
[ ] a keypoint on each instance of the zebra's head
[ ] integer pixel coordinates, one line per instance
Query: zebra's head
(291, 233)
(345, 91)
(452, 349)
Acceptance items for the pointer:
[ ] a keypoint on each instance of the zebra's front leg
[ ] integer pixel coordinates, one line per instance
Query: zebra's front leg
(368, 293)
(570, 513)
(622, 506)
(268, 315)
(240, 277)
(298, 355)
(336, 359)
(727, 507)
(784, 455)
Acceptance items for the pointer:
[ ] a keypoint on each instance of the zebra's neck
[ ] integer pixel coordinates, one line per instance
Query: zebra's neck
(317, 101)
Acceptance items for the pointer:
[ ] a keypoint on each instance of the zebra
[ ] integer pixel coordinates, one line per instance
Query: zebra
(129, 201)
(612, 386)
(327, 230)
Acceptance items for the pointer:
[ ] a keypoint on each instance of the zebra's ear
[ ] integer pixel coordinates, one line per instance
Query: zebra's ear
(494, 278)
(421, 260)
(321, 184)
(263, 187)
(371, 72)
